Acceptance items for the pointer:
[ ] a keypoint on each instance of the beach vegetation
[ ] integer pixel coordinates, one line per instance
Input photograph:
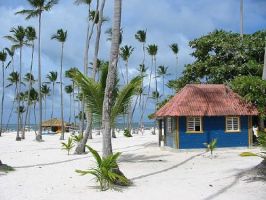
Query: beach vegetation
(68, 145)
(211, 146)
(105, 172)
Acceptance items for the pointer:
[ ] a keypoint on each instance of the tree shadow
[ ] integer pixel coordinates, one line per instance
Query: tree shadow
(167, 169)
(133, 158)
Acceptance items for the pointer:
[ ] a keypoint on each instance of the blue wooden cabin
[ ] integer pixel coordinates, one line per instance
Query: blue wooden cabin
(202, 112)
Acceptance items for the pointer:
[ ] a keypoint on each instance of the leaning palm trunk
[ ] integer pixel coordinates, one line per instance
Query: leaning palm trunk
(19, 90)
(3, 97)
(110, 82)
(39, 135)
(28, 99)
(61, 93)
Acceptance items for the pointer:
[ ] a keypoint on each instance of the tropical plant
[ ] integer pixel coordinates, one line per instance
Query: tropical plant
(52, 77)
(127, 133)
(69, 90)
(31, 37)
(68, 145)
(45, 92)
(162, 71)
(5, 168)
(77, 138)
(13, 79)
(211, 146)
(3, 56)
(19, 40)
(125, 53)
(106, 170)
(175, 50)
(94, 94)
(61, 37)
(11, 53)
(37, 8)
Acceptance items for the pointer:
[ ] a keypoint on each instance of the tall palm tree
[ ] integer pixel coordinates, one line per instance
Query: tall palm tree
(141, 37)
(37, 8)
(13, 79)
(92, 16)
(61, 37)
(52, 77)
(19, 40)
(175, 50)
(45, 92)
(162, 71)
(3, 56)
(110, 82)
(125, 53)
(69, 90)
(31, 37)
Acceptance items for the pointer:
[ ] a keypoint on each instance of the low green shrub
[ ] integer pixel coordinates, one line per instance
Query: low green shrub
(262, 139)
(211, 146)
(68, 146)
(127, 133)
(77, 138)
(5, 168)
(106, 172)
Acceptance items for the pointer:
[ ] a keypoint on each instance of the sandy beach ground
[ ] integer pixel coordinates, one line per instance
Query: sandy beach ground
(45, 172)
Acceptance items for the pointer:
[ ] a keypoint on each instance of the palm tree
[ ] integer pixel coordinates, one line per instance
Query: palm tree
(34, 98)
(110, 82)
(61, 37)
(45, 92)
(18, 40)
(13, 79)
(3, 56)
(175, 50)
(162, 71)
(155, 95)
(69, 90)
(125, 53)
(37, 8)
(141, 37)
(28, 78)
(92, 16)
(94, 95)
(31, 37)
(52, 77)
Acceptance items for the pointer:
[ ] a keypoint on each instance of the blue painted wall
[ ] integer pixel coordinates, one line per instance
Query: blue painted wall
(213, 127)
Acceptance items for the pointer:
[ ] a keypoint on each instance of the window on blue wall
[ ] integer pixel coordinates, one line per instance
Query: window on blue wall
(169, 125)
(232, 124)
(194, 124)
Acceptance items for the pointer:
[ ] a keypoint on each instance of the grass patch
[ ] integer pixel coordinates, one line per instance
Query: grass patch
(245, 154)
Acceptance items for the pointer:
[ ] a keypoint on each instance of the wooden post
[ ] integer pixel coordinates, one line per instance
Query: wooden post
(160, 132)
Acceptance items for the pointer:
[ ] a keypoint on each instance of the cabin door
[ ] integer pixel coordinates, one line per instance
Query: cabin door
(171, 132)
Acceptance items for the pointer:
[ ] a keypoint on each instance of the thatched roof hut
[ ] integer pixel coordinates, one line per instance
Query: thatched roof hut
(54, 124)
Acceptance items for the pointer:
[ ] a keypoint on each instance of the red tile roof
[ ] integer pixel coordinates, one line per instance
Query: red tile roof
(206, 100)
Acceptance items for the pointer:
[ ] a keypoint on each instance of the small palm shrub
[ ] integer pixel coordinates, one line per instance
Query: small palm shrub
(127, 133)
(106, 172)
(211, 146)
(77, 138)
(68, 146)
(5, 168)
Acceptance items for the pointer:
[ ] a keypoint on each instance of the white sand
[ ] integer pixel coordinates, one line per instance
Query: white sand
(45, 172)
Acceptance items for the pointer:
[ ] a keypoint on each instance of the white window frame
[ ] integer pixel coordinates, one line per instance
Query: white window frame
(192, 122)
(232, 124)
(169, 124)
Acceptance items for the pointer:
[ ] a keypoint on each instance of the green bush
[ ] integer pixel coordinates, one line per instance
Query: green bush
(106, 172)
(211, 146)
(5, 168)
(127, 133)
(68, 146)
(262, 139)
(77, 138)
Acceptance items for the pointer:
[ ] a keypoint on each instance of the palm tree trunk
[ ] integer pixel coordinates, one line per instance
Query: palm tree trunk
(3, 96)
(39, 135)
(142, 98)
(52, 114)
(28, 99)
(163, 85)
(19, 90)
(61, 94)
(12, 108)
(70, 108)
(34, 112)
(74, 106)
(106, 116)
(45, 99)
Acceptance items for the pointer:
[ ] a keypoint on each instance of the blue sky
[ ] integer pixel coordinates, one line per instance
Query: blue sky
(166, 21)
